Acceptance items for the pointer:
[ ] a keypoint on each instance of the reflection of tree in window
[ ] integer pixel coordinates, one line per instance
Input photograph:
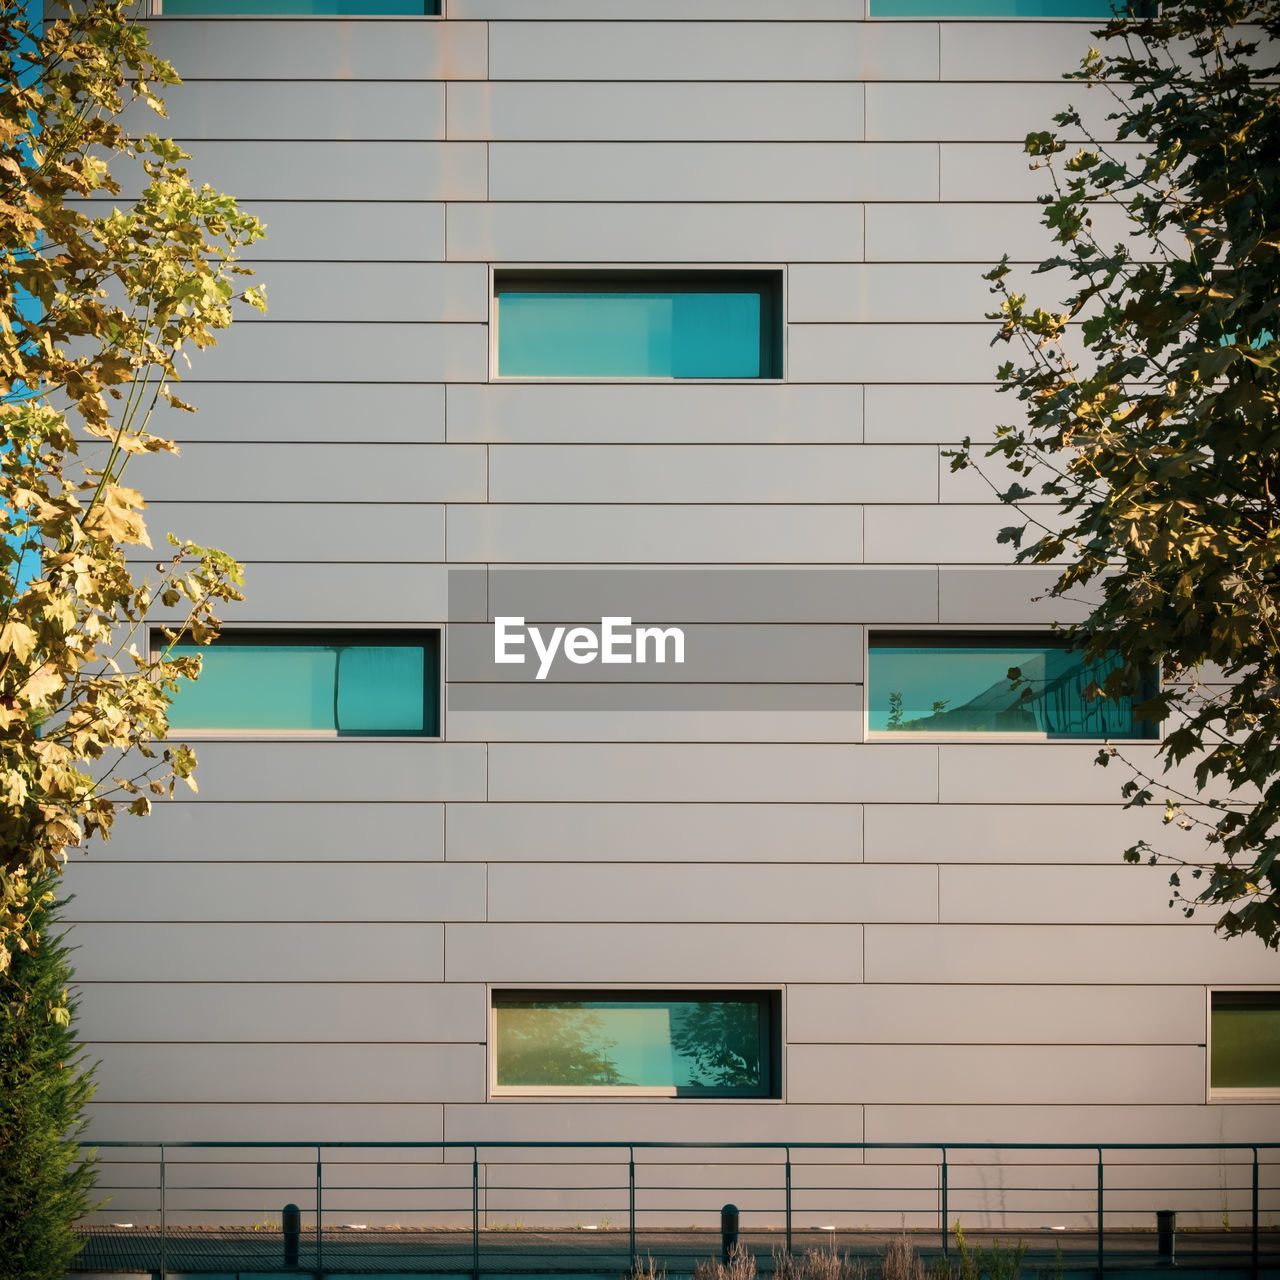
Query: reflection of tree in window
(720, 1042)
(542, 1043)
(1063, 703)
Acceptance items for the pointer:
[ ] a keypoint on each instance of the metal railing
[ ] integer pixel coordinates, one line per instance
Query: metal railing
(935, 1183)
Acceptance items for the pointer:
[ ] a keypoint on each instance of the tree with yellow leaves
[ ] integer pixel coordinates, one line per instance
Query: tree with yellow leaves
(97, 302)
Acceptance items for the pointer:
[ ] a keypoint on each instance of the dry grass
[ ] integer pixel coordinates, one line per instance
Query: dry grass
(820, 1264)
(741, 1266)
(900, 1261)
(648, 1270)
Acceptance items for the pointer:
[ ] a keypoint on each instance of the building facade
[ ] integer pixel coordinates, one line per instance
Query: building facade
(668, 312)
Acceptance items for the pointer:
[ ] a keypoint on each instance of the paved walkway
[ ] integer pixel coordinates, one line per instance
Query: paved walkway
(233, 1251)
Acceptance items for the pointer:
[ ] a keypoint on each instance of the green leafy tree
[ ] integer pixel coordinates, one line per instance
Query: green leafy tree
(561, 1043)
(1151, 421)
(720, 1039)
(98, 304)
(45, 1184)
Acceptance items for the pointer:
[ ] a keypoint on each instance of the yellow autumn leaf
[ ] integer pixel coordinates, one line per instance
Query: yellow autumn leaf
(17, 638)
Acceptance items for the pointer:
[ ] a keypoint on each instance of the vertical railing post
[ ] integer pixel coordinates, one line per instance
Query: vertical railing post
(319, 1212)
(163, 1208)
(1253, 1226)
(1100, 1254)
(788, 1200)
(475, 1213)
(946, 1235)
(631, 1206)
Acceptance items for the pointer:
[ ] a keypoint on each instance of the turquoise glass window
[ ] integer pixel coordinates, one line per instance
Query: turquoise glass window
(1102, 9)
(1244, 1040)
(316, 8)
(985, 683)
(694, 326)
(341, 683)
(674, 1043)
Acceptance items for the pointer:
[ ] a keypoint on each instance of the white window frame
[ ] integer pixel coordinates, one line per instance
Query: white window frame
(1259, 1094)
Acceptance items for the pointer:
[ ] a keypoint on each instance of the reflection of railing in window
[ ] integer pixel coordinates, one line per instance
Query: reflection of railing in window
(337, 684)
(1063, 704)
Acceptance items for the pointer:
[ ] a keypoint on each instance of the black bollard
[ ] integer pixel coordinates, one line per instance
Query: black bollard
(728, 1231)
(291, 1225)
(1166, 1226)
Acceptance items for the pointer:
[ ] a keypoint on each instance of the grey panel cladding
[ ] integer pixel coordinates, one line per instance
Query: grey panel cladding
(387, 412)
(276, 1012)
(648, 112)
(343, 1073)
(276, 952)
(764, 51)
(336, 170)
(1049, 1074)
(598, 833)
(244, 472)
(653, 953)
(1115, 894)
(890, 352)
(654, 713)
(305, 948)
(900, 1013)
(897, 292)
(673, 413)
(551, 231)
(651, 534)
(325, 533)
(358, 352)
(267, 1122)
(271, 831)
(286, 892)
(731, 772)
(911, 413)
(390, 592)
(1013, 833)
(323, 50)
(667, 10)
(310, 110)
(709, 171)
(964, 229)
(350, 230)
(681, 891)
(1123, 1123)
(793, 595)
(964, 112)
(1164, 953)
(715, 473)
(988, 50)
(368, 292)
(384, 771)
(684, 1121)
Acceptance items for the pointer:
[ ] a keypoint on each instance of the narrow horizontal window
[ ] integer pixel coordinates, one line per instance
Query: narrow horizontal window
(1025, 682)
(337, 682)
(1102, 9)
(282, 8)
(639, 325)
(665, 1043)
(1244, 1041)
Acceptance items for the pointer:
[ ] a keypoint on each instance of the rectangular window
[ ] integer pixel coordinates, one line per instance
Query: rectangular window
(344, 683)
(283, 8)
(1244, 1042)
(993, 683)
(701, 1044)
(639, 325)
